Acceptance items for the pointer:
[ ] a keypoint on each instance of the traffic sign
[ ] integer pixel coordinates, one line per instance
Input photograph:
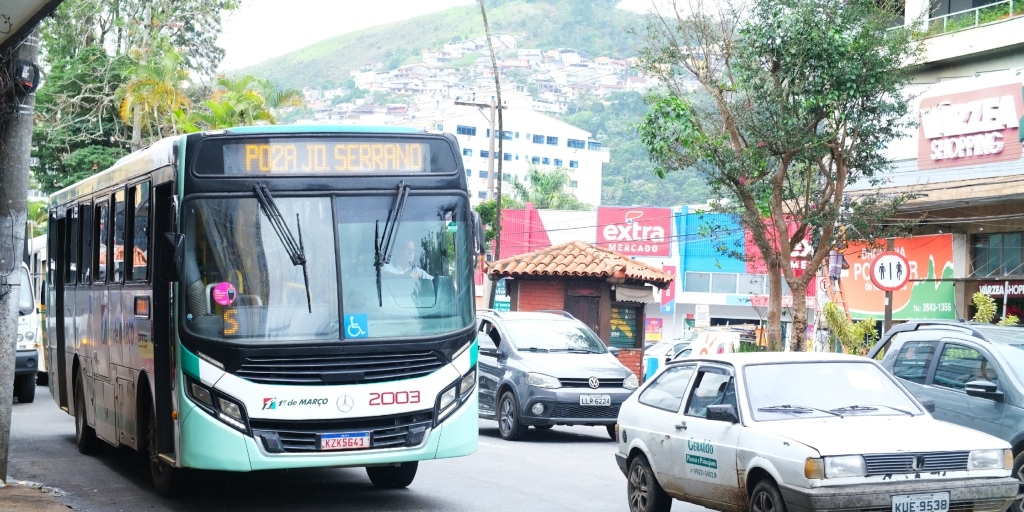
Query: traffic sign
(890, 271)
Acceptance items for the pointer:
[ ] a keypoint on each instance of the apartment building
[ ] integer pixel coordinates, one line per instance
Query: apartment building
(530, 138)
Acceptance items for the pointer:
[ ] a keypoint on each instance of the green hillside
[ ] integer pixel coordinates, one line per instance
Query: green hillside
(594, 27)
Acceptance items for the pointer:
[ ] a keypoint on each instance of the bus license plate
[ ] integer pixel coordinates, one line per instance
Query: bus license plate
(934, 502)
(595, 399)
(345, 441)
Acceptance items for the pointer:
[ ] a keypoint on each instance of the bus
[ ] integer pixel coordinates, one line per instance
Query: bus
(269, 298)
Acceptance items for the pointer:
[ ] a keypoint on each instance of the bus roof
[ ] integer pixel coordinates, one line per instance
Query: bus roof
(322, 128)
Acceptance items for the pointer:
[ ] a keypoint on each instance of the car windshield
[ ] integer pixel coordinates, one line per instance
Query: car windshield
(553, 336)
(816, 389)
(1013, 353)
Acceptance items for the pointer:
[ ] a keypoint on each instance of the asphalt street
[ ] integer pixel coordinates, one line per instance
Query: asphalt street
(563, 469)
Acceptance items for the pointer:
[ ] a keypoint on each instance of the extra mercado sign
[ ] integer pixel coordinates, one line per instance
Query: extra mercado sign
(970, 128)
(635, 231)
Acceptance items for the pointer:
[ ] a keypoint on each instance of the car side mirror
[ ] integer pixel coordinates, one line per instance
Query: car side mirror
(726, 412)
(614, 351)
(928, 404)
(172, 257)
(490, 352)
(983, 389)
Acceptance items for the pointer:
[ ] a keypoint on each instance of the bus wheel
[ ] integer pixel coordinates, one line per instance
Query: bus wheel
(166, 478)
(27, 389)
(84, 434)
(393, 477)
(42, 378)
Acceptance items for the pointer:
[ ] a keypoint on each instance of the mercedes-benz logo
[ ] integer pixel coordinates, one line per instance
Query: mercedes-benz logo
(594, 382)
(346, 403)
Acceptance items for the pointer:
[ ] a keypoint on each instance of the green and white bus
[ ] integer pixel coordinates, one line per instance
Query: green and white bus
(297, 297)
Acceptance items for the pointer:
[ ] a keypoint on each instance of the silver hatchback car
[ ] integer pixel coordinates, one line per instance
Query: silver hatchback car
(545, 369)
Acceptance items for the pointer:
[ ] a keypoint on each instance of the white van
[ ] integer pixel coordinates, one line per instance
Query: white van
(30, 364)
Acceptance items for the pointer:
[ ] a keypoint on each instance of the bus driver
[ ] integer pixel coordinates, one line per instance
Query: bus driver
(405, 262)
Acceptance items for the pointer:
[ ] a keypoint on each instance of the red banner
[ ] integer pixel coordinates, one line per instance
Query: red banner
(668, 295)
(635, 231)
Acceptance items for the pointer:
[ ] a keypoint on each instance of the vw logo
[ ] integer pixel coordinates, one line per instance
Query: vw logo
(594, 382)
(918, 463)
(345, 403)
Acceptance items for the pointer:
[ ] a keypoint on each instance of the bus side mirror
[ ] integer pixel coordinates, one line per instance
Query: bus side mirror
(172, 257)
(42, 293)
(479, 235)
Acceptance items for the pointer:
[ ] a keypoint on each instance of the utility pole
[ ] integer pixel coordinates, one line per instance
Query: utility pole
(15, 151)
(491, 119)
(890, 244)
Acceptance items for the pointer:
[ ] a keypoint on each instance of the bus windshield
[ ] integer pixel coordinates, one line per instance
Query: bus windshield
(241, 284)
(239, 280)
(426, 287)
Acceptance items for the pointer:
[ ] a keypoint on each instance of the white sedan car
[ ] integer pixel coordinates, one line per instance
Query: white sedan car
(778, 432)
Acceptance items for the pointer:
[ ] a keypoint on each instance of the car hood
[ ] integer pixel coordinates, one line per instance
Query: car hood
(575, 366)
(880, 434)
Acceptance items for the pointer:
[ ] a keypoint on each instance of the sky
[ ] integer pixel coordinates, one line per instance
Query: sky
(263, 29)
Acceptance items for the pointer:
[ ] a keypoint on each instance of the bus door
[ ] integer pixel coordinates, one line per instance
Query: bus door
(59, 375)
(162, 344)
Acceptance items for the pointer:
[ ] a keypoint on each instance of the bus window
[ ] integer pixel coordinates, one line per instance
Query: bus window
(71, 273)
(101, 242)
(85, 274)
(140, 231)
(119, 222)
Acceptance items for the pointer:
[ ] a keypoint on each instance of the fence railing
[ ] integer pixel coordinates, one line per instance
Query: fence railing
(974, 17)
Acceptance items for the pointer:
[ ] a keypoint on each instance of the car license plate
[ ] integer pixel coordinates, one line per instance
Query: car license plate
(934, 502)
(595, 399)
(345, 441)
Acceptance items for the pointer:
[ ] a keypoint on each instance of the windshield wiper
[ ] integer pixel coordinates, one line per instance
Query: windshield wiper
(533, 349)
(384, 242)
(296, 251)
(799, 409)
(870, 408)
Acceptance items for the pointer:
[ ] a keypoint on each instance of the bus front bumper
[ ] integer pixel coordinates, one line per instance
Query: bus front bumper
(26, 362)
(208, 443)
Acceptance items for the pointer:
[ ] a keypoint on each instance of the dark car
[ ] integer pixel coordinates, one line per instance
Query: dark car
(973, 372)
(546, 369)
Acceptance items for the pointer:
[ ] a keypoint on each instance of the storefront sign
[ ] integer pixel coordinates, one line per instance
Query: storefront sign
(668, 295)
(999, 290)
(929, 268)
(635, 231)
(970, 128)
(702, 317)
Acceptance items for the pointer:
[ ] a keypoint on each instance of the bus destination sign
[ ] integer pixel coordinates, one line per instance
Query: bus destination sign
(325, 157)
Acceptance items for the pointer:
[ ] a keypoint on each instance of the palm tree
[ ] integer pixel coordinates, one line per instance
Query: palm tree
(547, 190)
(152, 96)
(242, 101)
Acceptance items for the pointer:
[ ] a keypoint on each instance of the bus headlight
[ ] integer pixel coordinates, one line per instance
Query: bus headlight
(453, 396)
(29, 336)
(222, 407)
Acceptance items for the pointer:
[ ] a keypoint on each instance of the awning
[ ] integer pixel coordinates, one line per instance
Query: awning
(641, 294)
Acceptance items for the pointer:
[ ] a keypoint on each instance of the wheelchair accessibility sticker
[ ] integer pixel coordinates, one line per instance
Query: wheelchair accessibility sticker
(356, 326)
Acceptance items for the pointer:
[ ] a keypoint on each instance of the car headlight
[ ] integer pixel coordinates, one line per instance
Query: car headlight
(29, 336)
(990, 459)
(539, 380)
(631, 382)
(845, 466)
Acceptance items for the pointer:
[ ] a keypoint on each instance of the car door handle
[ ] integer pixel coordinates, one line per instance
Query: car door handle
(681, 426)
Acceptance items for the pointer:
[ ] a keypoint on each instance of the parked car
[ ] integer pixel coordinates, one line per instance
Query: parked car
(547, 369)
(974, 372)
(659, 354)
(778, 432)
(28, 354)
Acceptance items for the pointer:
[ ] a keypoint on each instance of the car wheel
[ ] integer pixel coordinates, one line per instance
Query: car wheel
(766, 498)
(167, 480)
(611, 432)
(84, 434)
(27, 388)
(643, 490)
(1018, 472)
(508, 418)
(393, 477)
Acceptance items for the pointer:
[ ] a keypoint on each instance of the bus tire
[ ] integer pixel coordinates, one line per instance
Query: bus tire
(166, 478)
(26, 389)
(85, 435)
(42, 378)
(393, 477)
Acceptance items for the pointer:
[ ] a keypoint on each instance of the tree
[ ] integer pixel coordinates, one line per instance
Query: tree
(795, 100)
(151, 97)
(547, 190)
(242, 101)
